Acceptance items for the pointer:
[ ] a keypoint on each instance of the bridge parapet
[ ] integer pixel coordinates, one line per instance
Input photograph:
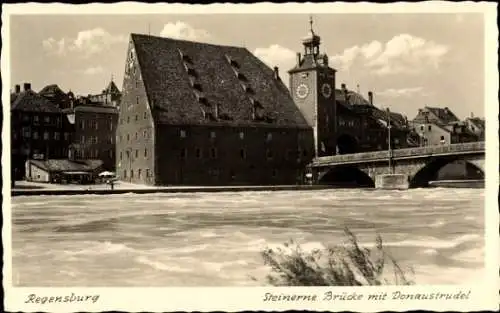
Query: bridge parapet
(400, 153)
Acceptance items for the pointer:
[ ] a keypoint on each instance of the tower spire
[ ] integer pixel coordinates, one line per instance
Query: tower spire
(311, 23)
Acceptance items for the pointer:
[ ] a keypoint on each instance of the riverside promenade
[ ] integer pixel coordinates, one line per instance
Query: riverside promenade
(24, 188)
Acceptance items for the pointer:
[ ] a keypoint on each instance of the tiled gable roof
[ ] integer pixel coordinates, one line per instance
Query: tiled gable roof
(68, 165)
(112, 88)
(183, 79)
(353, 98)
(51, 89)
(30, 101)
(444, 115)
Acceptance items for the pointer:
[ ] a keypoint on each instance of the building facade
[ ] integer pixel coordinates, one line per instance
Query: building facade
(39, 130)
(195, 113)
(437, 126)
(93, 136)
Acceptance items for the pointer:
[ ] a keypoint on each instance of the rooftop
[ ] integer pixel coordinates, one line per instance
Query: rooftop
(30, 101)
(68, 165)
(207, 76)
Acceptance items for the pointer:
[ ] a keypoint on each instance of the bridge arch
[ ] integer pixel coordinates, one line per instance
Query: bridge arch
(430, 171)
(347, 144)
(346, 177)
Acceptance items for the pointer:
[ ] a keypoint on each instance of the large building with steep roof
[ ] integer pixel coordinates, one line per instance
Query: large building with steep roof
(196, 113)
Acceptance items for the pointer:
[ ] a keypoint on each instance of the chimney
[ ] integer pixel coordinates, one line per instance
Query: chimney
(18, 89)
(370, 97)
(276, 73)
(344, 91)
(27, 86)
(299, 58)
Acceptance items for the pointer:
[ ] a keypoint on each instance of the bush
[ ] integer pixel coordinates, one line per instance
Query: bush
(341, 265)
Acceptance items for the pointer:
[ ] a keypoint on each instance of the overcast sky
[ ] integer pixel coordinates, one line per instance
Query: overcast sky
(408, 60)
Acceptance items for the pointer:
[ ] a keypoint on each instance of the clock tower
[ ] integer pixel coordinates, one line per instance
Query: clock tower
(312, 85)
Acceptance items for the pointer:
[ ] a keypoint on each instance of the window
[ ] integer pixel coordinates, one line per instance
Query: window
(139, 173)
(147, 172)
(45, 135)
(131, 173)
(269, 137)
(96, 139)
(184, 153)
(145, 153)
(145, 115)
(212, 135)
(35, 135)
(136, 100)
(82, 124)
(183, 134)
(136, 153)
(198, 153)
(269, 154)
(57, 136)
(429, 127)
(145, 133)
(35, 118)
(213, 153)
(242, 135)
(46, 119)
(242, 153)
(128, 154)
(421, 127)
(26, 132)
(128, 137)
(82, 139)
(136, 117)
(136, 136)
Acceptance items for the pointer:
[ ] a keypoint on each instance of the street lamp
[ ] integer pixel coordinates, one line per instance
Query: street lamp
(389, 139)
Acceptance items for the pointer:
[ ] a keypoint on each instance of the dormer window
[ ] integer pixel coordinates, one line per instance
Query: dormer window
(242, 77)
(232, 62)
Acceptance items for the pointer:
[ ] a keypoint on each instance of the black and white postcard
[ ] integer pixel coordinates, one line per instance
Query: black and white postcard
(227, 157)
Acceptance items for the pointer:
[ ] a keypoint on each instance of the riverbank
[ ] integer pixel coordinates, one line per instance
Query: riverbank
(24, 188)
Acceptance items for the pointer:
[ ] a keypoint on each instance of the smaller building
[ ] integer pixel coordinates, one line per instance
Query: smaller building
(438, 126)
(38, 129)
(111, 96)
(94, 127)
(63, 171)
(476, 125)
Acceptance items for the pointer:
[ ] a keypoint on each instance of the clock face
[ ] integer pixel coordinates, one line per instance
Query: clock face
(302, 91)
(326, 90)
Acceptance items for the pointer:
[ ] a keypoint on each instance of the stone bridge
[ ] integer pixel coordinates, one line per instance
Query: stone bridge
(421, 165)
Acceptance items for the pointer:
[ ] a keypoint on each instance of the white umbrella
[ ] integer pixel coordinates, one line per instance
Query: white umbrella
(106, 173)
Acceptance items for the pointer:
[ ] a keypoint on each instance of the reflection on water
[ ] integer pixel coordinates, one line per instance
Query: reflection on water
(214, 239)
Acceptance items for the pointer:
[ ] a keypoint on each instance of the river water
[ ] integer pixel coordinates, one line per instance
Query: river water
(214, 239)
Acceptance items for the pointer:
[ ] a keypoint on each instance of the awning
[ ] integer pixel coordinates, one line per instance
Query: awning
(76, 173)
